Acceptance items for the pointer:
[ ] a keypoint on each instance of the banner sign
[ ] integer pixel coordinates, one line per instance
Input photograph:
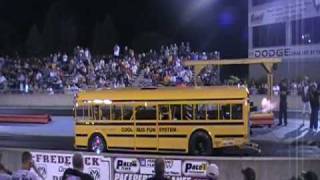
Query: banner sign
(283, 10)
(195, 168)
(141, 169)
(52, 165)
(310, 51)
(172, 167)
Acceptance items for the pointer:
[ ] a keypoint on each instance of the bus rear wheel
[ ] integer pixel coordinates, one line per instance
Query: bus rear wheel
(200, 144)
(97, 144)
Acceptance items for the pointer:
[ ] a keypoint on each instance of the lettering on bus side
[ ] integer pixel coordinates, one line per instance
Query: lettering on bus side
(126, 129)
(148, 130)
(166, 129)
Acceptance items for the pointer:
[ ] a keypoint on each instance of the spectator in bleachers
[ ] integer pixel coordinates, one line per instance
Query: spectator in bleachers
(59, 71)
(3, 82)
(116, 51)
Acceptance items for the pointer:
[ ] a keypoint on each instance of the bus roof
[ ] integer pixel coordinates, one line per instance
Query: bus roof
(168, 93)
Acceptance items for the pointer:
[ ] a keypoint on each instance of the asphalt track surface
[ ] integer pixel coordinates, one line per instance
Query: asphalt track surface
(63, 139)
(269, 149)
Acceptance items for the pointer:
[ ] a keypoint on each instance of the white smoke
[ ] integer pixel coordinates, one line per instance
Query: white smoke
(267, 105)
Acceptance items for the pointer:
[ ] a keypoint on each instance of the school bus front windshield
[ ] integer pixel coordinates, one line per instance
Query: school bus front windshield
(187, 120)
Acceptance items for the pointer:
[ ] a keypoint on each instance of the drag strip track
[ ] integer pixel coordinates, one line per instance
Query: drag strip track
(269, 149)
(37, 142)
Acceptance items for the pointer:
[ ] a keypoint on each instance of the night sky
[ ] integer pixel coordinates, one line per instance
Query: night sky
(207, 24)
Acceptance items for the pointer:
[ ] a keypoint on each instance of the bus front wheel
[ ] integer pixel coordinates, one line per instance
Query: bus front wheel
(200, 144)
(97, 144)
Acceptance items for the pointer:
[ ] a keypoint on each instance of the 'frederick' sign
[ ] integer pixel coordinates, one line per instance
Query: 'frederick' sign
(52, 165)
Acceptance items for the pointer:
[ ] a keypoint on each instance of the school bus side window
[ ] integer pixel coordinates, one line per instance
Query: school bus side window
(176, 111)
(127, 112)
(146, 113)
(115, 112)
(202, 111)
(96, 112)
(213, 111)
(83, 112)
(188, 111)
(105, 111)
(225, 112)
(164, 112)
(236, 111)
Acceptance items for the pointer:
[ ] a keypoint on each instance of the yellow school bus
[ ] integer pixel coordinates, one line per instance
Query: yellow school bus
(191, 120)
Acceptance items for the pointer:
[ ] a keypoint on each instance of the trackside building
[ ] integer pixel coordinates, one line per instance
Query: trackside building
(288, 29)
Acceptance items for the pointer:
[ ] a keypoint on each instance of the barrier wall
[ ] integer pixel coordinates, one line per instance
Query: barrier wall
(26, 100)
(41, 119)
(66, 101)
(136, 167)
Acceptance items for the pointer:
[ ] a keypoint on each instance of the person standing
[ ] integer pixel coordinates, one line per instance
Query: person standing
(306, 111)
(159, 168)
(309, 175)
(25, 171)
(77, 171)
(248, 174)
(283, 102)
(314, 103)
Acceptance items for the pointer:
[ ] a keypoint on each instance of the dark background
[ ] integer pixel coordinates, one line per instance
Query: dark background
(41, 27)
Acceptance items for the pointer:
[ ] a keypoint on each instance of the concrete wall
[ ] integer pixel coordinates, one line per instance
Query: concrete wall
(58, 100)
(230, 167)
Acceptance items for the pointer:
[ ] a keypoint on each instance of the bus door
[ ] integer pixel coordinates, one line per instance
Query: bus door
(146, 128)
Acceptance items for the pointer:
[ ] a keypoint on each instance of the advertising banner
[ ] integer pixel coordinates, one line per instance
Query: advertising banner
(310, 51)
(52, 165)
(142, 169)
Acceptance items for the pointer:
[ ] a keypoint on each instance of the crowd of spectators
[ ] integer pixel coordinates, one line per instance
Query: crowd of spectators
(61, 72)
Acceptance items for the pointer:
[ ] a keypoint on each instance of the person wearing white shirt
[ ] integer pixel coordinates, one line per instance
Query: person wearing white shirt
(3, 81)
(25, 172)
(116, 50)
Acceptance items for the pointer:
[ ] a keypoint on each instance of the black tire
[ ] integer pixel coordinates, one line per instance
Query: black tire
(200, 144)
(97, 144)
